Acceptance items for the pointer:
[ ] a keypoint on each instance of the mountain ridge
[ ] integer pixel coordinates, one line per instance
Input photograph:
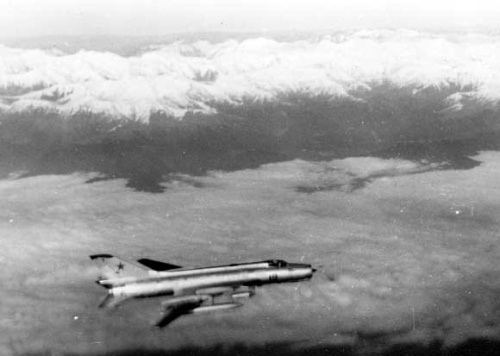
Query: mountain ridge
(183, 78)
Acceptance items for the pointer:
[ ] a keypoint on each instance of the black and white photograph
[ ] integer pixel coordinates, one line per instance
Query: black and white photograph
(249, 177)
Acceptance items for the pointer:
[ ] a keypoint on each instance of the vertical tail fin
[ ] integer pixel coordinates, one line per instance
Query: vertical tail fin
(112, 267)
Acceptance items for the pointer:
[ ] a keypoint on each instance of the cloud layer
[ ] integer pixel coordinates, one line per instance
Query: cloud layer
(406, 258)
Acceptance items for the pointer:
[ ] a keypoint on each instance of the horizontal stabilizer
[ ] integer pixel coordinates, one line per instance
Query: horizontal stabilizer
(157, 265)
(111, 301)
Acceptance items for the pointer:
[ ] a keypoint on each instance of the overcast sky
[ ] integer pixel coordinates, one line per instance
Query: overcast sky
(25, 18)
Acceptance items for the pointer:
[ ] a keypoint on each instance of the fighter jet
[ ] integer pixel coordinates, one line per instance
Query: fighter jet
(190, 290)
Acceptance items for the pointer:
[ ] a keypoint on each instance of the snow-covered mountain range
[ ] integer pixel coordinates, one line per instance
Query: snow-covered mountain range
(190, 77)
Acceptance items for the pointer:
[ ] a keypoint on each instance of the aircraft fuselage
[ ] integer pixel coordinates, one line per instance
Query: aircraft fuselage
(183, 282)
(190, 290)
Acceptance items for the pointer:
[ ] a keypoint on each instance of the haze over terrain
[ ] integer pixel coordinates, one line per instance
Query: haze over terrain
(371, 154)
(29, 18)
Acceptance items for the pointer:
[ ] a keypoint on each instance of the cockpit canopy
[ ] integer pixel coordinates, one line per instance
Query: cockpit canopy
(277, 263)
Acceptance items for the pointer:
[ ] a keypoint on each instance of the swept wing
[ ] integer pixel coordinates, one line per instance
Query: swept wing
(203, 300)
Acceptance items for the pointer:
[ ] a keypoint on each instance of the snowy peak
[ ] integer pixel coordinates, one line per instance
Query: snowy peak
(181, 77)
